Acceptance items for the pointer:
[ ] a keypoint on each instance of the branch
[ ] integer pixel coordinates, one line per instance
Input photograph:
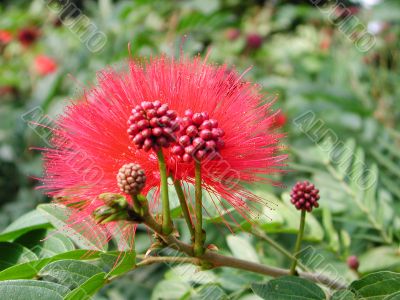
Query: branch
(218, 260)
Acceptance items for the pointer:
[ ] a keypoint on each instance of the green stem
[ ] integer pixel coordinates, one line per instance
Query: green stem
(185, 208)
(166, 214)
(298, 242)
(198, 235)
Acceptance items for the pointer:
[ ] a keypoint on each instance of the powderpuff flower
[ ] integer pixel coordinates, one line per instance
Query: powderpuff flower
(5, 37)
(92, 140)
(27, 36)
(44, 65)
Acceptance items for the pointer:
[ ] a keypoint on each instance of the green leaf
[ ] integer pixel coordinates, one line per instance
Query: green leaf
(86, 234)
(290, 288)
(210, 291)
(45, 243)
(88, 288)
(119, 262)
(32, 289)
(241, 248)
(170, 290)
(376, 286)
(343, 162)
(191, 274)
(30, 269)
(71, 273)
(343, 295)
(30, 221)
(380, 258)
(11, 254)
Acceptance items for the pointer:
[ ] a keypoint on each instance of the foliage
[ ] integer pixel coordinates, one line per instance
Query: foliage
(342, 133)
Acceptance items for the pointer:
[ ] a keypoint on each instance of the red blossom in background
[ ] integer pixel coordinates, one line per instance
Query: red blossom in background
(27, 36)
(44, 65)
(91, 141)
(232, 34)
(5, 37)
(254, 41)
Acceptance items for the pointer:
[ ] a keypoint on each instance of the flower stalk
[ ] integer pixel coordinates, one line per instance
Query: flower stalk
(184, 206)
(166, 214)
(199, 236)
(298, 242)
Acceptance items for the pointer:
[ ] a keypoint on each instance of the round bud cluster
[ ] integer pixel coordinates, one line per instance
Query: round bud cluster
(304, 196)
(131, 178)
(353, 263)
(152, 125)
(199, 137)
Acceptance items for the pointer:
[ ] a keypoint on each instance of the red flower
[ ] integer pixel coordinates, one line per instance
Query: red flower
(27, 36)
(5, 37)
(92, 140)
(44, 65)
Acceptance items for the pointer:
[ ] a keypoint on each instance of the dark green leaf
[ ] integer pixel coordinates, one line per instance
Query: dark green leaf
(290, 288)
(376, 286)
(11, 254)
(343, 295)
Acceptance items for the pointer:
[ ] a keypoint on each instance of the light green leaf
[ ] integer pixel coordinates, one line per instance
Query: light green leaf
(45, 243)
(170, 290)
(32, 289)
(86, 234)
(119, 262)
(288, 288)
(380, 258)
(71, 273)
(343, 162)
(88, 288)
(241, 248)
(210, 291)
(30, 221)
(11, 254)
(30, 269)
(191, 274)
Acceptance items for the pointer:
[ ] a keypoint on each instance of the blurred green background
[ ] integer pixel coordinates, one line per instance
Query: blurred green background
(337, 62)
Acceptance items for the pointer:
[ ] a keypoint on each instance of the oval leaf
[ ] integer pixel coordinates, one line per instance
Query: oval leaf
(288, 288)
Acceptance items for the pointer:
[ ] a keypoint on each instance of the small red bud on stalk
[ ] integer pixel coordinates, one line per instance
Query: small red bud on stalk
(254, 41)
(304, 197)
(353, 263)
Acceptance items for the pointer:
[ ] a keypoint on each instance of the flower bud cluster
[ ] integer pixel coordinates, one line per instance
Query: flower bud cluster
(152, 125)
(304, 196)
(199, 136)
(131, 179)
